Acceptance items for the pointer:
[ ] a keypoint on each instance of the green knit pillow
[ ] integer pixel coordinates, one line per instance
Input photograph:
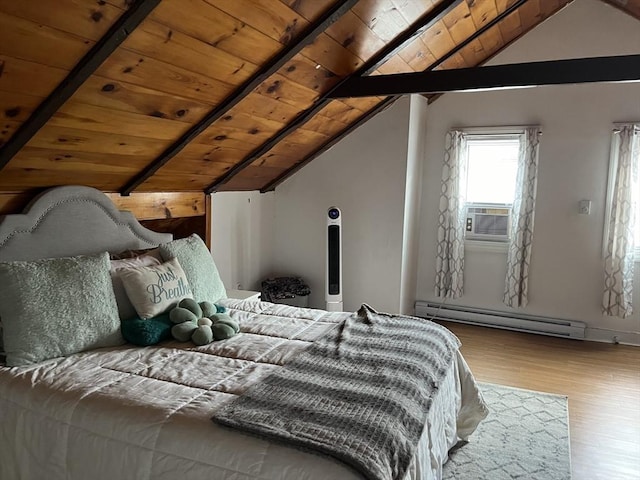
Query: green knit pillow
(147, 331)
(197, 263)
(57, 306)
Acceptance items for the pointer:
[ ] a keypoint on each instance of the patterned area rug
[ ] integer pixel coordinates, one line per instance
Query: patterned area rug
(525, 436)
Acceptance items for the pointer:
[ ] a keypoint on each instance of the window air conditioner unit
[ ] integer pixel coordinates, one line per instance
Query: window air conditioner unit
(488, 222)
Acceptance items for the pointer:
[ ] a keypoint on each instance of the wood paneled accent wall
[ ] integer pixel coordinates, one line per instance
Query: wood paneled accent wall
(179, 213)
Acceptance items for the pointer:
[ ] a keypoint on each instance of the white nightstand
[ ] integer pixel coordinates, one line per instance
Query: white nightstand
(244, 295)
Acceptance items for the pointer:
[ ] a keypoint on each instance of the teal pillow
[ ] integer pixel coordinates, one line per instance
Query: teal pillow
(197, 263)
(57, 306)
(148, 331)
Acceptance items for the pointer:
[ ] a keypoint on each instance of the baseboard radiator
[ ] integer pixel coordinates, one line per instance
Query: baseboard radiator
(504, 320)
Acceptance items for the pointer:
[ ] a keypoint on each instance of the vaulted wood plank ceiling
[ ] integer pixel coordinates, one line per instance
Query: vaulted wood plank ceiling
(212, 95)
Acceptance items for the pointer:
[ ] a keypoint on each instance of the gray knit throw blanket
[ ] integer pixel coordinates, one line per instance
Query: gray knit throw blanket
(361, 394)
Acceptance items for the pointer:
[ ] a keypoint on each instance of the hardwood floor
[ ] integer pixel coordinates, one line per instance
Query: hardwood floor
(602, 382)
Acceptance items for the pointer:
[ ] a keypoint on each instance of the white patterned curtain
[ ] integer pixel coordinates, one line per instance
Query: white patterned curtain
(619, 258)
(522, 218)
(450, 246)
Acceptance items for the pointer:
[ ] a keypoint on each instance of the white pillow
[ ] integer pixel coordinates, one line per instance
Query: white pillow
(155, 289)
(126, 309)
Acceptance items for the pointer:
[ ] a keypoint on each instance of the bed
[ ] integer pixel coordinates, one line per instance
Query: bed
(82, 403)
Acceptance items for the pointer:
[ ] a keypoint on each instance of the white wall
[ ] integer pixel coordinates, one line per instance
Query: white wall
(566, 278)
(371, 176)
(242, 237)
(364, 175)
(413, 194)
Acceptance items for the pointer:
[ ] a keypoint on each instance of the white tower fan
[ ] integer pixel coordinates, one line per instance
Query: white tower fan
(333, 281)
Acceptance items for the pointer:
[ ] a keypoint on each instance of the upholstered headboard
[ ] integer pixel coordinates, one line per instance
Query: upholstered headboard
(72, 220)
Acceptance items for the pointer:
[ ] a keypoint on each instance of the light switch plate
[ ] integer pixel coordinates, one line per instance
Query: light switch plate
(584, 207)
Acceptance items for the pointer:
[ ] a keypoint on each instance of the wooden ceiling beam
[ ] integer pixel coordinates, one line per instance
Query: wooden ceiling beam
(390, 100)
(118, 32)
(271, 67)
(417, 28)
(555, 72)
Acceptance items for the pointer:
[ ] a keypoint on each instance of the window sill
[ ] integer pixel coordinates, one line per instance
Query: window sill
(484, 246)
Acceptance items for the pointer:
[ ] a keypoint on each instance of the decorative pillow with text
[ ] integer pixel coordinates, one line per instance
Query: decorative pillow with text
(155, 289)
(125, 309)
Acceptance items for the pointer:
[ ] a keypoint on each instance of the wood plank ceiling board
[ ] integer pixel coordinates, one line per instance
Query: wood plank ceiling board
(381, 8)
(271, 17)
(252, 175)
(304, 71)
(346, 113)
(417, 53)
(316, 151)
(85, 18)
(278, 87)
(202, 21)
(470, 42)
(383, 18)
(173, 68)
(68, 157)
(213, 94)
(208, 154)
(36, 54)
(21, 76)
(383, 105)
(480, 44)
(162, 43)
(41, 44)
(69, 161)
(93, 54)
(530, 14)
(17, 106)
(265, 107)
(309, 9)
(460, 24)
(132, 67)
(307, 145)
(127, 97)
(470, 50)
(187, 181)
(353, 34)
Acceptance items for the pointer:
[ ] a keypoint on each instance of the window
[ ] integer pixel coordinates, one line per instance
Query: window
(492, 162)
(482, 166)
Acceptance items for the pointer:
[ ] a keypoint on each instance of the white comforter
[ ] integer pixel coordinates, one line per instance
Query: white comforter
(144, 413)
